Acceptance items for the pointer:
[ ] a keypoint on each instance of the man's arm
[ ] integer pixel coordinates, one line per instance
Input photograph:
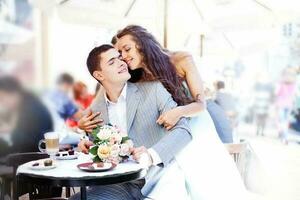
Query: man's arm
(178, 137)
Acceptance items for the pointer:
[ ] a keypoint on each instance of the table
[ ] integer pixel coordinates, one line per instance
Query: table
(66, 174)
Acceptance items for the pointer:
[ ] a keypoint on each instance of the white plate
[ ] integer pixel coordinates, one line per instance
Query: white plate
(68, 157)
(87, 167)
(41, 165)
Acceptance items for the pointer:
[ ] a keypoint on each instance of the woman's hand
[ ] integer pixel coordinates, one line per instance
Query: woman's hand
(170, 118)
(88, 122)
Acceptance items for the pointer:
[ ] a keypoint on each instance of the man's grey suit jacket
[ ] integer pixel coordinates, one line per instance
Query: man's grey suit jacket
(145, 102)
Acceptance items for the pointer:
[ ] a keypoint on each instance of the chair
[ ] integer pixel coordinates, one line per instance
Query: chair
(6, 174)
(249, 166)
(236, 150)
(17, 159)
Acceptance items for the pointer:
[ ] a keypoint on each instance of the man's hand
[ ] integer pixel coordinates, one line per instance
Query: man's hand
(84, 146)
(88, 122)
(141, 155)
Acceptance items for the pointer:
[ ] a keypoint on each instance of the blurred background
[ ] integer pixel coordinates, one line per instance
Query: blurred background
(247, 49)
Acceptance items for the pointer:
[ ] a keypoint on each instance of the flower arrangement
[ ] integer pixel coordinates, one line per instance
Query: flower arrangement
(110, 144)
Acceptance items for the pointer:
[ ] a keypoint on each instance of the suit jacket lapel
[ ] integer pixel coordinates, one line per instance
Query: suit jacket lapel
(132, 102)
(103, 107)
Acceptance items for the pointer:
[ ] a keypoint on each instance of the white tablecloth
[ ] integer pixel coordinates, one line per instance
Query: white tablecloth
(68, 169)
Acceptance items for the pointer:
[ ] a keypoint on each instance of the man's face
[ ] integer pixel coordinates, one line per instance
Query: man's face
(113, 69)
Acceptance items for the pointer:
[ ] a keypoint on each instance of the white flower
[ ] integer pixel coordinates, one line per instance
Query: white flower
(117, 137)
(125, 150)
(103, 134)
(115, 150)
(103, 151)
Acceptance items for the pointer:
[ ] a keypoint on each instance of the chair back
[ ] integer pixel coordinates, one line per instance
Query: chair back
(236, 149)
(15, 160)
(249, 166)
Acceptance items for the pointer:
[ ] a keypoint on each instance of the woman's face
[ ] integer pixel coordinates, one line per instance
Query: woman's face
(130, 54)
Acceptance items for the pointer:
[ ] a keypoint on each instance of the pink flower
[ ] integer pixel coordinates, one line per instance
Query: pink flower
(125, 150)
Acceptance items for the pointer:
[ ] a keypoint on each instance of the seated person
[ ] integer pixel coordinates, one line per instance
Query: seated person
(31, 120)
(31, 117)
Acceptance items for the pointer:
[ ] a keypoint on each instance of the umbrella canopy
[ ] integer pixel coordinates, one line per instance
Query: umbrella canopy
(227, 18)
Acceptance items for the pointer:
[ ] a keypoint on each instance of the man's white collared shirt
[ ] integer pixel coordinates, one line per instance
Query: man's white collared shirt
(117, 111)
(117, 116)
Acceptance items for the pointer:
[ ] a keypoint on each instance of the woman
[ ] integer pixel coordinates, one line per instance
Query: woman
(179, 75)
(176, 71)
(82, 98)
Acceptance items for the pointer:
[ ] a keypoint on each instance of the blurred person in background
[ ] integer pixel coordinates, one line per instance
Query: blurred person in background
(295, 125)
(63, 107)
(60, 100)
(81, 95)
(221, 121)
(227, 103)
(263, 95)
(285, 94)
(30, 119)
(82, 98)
(224, 98)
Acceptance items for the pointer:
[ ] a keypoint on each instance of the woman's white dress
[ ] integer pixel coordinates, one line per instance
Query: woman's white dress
(209, 171)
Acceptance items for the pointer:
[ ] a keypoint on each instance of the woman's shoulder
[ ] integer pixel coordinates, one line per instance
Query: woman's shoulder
(180, 56)
(183, 61)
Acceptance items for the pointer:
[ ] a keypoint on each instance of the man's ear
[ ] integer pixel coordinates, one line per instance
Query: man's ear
(98, 75)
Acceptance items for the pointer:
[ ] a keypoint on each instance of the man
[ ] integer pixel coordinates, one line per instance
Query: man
(227, 102)
(135, 108)
(224, 98)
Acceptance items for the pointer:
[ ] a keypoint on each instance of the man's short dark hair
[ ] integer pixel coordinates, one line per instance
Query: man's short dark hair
(93, 60)
(10, 84)
(65, 78)
(114, 40)
(220, 85)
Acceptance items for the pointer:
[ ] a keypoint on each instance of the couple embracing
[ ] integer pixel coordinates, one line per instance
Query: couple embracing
(159, 100)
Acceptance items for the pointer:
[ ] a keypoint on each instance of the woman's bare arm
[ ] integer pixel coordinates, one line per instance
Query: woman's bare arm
(186, 68)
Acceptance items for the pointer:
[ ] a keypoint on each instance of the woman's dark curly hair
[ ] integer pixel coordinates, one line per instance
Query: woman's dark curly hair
(157, 61)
